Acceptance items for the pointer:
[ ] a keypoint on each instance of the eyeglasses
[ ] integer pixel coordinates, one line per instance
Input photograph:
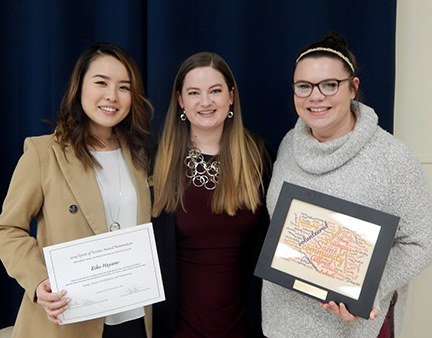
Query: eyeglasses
(326, 87)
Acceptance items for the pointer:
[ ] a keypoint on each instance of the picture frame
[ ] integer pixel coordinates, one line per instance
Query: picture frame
(327, 248)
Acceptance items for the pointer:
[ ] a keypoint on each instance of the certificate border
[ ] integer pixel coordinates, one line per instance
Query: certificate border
(388, 225)
(145, 231)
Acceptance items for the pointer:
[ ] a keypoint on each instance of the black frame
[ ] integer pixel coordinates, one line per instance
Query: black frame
(387, 228)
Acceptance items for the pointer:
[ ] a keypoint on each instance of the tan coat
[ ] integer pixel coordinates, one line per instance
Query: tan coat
(45, 184)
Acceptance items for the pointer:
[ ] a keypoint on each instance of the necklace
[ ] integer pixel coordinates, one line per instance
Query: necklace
(115, 225)
(202, 173)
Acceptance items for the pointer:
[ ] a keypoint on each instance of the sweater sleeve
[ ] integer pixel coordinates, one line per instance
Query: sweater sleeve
(410, 199)
(19, 251)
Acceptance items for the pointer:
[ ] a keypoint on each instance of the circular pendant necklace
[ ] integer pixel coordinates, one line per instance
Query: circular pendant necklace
(115, 225)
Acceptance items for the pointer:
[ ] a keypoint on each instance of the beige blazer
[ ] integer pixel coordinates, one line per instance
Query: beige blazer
(54, 187)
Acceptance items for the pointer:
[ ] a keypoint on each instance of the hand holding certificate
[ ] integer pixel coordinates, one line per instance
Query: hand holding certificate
(106, 274)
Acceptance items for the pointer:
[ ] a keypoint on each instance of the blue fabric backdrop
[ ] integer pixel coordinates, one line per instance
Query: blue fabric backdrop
(41, 40)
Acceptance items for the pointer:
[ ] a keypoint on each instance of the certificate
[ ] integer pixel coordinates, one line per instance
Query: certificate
(106, 274)
(327, 248)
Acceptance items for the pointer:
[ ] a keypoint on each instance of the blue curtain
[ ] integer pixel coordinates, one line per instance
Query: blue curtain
(259, 39)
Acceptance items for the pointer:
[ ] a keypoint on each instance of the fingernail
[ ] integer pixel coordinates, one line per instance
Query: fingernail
(62, 293)
(68, 300)
(66, 307)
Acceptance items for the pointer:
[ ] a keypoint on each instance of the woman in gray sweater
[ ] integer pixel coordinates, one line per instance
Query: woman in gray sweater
(337, 148)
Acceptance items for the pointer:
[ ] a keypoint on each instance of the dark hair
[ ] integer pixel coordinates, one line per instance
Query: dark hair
(72, 125)
(337, 43)
(333, 41)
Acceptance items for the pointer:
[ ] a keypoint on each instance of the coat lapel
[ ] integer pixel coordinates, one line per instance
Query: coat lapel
(84, 187)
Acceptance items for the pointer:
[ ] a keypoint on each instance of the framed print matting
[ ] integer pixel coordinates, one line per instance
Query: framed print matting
(327, 248)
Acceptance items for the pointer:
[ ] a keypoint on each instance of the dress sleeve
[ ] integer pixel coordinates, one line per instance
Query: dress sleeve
(19, 251)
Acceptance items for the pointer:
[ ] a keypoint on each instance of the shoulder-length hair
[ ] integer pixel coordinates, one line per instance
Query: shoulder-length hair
(72, 125)
(240, 174)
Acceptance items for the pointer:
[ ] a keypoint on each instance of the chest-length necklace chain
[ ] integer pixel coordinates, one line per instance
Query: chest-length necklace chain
(115, 225)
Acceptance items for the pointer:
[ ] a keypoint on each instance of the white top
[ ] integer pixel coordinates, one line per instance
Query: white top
(120, 203)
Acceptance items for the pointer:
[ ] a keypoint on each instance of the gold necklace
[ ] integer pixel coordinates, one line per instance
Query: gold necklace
(115, 225)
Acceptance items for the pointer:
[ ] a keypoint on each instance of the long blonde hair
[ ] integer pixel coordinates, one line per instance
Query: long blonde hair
(240, 183)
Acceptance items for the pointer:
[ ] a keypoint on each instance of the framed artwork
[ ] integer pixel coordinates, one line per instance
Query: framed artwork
(327, 248)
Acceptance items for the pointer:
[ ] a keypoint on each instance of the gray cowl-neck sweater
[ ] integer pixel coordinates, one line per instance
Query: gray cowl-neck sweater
(367, 166)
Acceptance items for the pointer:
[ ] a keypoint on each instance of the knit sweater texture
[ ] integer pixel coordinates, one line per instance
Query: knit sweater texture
(367, 166)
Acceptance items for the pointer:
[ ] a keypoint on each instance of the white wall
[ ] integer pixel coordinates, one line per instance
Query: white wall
(413, 125)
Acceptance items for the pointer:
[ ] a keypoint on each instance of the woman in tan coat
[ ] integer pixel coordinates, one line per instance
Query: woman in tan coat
(88, 178)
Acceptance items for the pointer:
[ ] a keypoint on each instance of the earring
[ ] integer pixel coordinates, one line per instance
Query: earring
(230, 113)
(183, 116)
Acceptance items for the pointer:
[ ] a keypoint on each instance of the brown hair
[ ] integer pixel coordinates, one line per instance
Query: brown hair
(72, 125)
(337, 43)
(240, 174)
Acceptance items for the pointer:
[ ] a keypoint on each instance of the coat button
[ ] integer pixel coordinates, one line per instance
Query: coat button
(73, 209)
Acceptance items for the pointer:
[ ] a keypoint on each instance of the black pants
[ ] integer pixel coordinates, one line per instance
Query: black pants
(131, 329)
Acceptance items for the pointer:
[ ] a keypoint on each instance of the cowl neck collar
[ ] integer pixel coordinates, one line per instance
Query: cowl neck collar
(320, 157)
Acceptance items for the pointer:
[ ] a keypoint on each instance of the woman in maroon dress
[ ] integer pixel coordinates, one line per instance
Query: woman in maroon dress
(210, 176)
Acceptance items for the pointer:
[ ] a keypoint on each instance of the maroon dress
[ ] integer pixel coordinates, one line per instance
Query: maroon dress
(214, 263)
